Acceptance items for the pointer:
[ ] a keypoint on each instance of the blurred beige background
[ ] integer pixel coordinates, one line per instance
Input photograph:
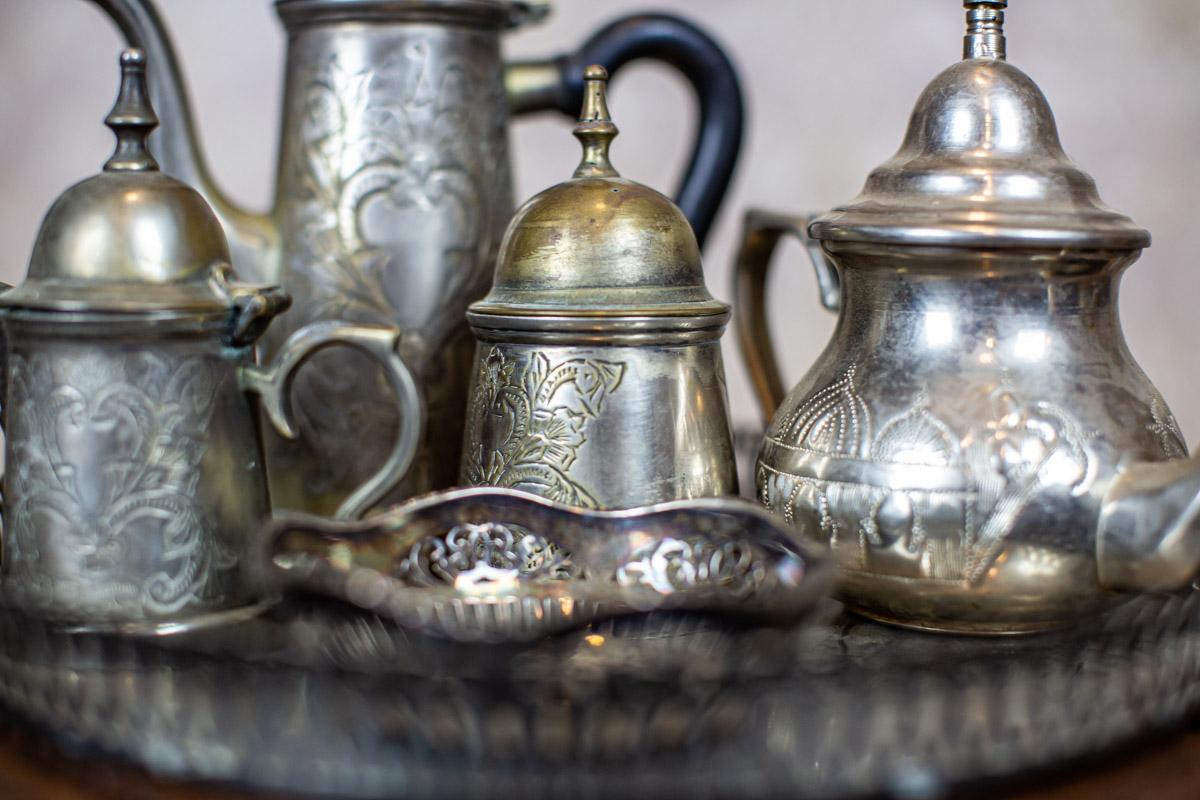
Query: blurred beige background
(829, 85)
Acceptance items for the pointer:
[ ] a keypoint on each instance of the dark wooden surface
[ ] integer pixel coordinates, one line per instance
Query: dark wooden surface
(1168, 769)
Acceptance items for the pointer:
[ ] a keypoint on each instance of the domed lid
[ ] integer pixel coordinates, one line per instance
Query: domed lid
(131, 238)
(598, 245)
(981, 166)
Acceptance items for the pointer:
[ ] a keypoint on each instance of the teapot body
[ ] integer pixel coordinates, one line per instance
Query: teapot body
(135, 476)
(953, 443)
(393, 190)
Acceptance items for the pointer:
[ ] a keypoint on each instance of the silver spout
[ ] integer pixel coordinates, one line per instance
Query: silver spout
(1149, 533)
(985, 29)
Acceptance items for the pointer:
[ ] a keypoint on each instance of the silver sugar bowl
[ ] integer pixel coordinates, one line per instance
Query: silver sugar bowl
(976, 444)
(134, 473)
(598, 378)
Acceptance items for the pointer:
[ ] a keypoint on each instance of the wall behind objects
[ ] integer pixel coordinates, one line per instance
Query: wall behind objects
(829, 87)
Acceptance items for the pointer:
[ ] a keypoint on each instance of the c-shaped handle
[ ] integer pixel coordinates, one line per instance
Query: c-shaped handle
(761, 232)
(273, 384)
(557, 84)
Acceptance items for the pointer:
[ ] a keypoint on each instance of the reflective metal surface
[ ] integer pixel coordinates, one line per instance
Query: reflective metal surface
(314, 701)
(502, 565)
(134, 474)
(977, 406)
(598, 378)
(393, 189)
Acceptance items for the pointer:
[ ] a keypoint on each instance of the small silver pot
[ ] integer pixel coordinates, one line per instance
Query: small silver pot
(598, 378)
(134, 471)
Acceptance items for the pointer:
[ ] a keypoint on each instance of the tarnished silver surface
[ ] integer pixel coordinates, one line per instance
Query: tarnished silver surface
(393, 190)
(598, 376)
(134, 474)
(977, 406)
(310, 700)
(503, 565)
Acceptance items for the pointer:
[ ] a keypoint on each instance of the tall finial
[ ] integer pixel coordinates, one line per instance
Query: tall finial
(985, 29)
(595, 129)
(132, 117)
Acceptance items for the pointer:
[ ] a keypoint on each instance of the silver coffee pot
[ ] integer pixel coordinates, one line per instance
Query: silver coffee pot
(393, 190)
(133, 468)
(598, 376)
(976, 444)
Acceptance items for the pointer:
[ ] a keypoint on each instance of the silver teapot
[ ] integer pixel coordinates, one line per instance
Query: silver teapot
(976, 444)
(134, 474)
(393, 190)
(598, 376)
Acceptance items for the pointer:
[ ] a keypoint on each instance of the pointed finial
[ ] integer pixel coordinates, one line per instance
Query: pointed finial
(132, 117)
(985, 29)
(595, 129)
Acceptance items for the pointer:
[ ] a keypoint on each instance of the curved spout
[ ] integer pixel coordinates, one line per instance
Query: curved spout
(1149, 533)
(252, 237)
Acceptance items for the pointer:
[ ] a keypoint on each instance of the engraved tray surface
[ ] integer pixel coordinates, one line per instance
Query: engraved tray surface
(318, 698)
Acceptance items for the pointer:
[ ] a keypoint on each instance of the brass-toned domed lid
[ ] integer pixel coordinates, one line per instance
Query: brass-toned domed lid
(131, 238)
(981, 166)
(598, 245)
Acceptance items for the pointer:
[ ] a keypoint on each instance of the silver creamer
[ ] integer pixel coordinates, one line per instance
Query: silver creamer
(134, 473)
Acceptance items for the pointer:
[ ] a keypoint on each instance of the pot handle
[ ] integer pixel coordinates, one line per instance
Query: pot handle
(273, 384)
(761, 232)
(557, 84)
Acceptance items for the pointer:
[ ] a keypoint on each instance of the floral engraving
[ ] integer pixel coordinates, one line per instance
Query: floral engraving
(102, 484)
(990, 474)
(734, 568)
(397, 190)
(531, 419)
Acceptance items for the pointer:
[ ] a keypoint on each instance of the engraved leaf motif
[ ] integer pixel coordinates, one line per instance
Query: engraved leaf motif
(109, 467)
(532, 418)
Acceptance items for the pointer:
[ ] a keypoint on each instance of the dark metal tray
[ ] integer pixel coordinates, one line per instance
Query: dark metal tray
(317, 698)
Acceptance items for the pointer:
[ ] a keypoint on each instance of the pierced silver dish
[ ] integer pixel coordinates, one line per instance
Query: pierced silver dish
(487, 564)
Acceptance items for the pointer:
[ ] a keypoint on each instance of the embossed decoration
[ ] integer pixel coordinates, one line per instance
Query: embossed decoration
(951, 532)
(535, 416)
(732, 568)
(1167, 430)
(105, 463)
(834, 420)
(917, 437)
(399, 186)
(489, 552)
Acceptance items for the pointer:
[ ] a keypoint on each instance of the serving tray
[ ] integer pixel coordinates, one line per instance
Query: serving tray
(318, 698)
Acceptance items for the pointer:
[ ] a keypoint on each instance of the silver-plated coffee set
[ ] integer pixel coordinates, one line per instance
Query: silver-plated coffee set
(974, 451)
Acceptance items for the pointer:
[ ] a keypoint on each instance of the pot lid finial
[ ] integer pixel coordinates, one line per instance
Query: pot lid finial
(985, 29)
(595, 129)
(132, 118)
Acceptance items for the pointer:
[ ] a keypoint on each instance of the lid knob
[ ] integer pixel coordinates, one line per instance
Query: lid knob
(132, 117)
(595, 129)
(985, 29)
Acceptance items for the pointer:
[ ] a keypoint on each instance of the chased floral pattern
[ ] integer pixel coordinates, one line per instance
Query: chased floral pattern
(103, 473)
(531, 419)
(396, 189)
(1001, 467)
